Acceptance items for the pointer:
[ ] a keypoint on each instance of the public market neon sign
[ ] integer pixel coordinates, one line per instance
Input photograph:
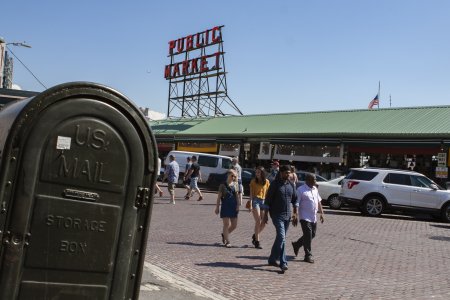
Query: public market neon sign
(200, 64)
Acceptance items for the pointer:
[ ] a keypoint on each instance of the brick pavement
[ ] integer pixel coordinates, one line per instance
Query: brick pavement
(393, 257)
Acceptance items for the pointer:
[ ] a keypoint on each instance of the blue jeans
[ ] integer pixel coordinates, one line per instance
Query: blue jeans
(279, 245)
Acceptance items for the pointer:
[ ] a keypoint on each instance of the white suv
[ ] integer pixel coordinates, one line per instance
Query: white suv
(375, 190)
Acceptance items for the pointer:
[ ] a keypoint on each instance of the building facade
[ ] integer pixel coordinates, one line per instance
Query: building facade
(326, 142)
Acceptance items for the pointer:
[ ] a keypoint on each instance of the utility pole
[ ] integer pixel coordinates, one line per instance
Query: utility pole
(7, 63)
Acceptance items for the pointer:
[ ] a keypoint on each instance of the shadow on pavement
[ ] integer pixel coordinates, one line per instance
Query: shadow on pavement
(195, 244)
(440, 226)
(253, 257)
(440, 238)
(205, 245)
(259, 267)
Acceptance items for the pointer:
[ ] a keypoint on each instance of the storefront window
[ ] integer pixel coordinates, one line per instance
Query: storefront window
(197, 147)
(309, 153)
(309, 150)
(229, 149)
(265, 150)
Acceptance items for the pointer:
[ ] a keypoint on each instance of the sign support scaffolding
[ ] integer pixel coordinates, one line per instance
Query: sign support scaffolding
(198, 85)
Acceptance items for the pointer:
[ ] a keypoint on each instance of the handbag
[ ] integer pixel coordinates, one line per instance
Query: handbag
(248, 205)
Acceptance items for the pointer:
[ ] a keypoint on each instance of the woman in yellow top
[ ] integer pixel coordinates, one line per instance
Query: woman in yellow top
(258, 189)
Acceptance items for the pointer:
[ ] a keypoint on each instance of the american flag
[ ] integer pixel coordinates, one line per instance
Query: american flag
(374, 102)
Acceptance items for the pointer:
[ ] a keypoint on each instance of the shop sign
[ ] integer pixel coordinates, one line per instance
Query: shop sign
(441, 172)
(442, 159)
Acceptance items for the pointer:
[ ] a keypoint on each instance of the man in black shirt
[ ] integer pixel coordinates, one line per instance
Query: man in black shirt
(280, 196)
(194, 175)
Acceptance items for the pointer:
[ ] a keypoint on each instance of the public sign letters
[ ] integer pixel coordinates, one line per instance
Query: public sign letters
(200, 64)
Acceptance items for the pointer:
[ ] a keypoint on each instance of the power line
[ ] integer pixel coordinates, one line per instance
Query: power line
(26, 67)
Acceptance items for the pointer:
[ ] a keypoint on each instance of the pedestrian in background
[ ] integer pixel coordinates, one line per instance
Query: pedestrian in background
(194, 175)
(293, 177)
(308, 205)
(280, 196)
(171, 173)
(229, 198)
(157, 188)
(186, 181)
(258, 190)
(273, 171)
(237, 167)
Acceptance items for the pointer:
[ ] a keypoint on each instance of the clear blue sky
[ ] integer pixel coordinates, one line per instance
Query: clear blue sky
(281, 56)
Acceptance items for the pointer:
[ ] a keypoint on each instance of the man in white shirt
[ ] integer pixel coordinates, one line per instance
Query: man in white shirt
(171, 173)
(308, 205)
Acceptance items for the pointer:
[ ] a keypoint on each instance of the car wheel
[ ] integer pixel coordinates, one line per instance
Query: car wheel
(373, 206)
(334, 202)
(446, 213)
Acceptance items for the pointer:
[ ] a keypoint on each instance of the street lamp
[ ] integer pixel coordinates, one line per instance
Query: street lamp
(6, 62)
(19, 44)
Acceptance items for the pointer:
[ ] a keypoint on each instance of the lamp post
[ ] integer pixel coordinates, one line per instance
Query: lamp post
(6, 62)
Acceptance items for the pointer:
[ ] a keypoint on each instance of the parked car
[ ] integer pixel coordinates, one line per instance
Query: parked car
(215, 179)
(329, 192)
(375, 190)
(301, 177)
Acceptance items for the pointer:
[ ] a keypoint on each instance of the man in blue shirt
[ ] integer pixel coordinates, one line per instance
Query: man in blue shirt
(280, 196)
(308, 205)
(171, 173)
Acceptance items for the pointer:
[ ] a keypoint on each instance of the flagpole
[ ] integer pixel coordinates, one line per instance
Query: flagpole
(379, 95)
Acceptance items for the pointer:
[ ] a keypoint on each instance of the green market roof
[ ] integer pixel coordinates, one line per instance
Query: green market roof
(407, 122)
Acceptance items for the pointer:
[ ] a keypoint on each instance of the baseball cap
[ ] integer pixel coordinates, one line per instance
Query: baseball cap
(275, 163)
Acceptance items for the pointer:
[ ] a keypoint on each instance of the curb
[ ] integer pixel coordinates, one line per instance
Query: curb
(181, 283)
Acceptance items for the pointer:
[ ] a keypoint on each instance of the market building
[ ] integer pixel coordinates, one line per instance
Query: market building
(328, 142)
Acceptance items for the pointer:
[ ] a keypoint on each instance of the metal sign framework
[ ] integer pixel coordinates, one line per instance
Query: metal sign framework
(196, 89)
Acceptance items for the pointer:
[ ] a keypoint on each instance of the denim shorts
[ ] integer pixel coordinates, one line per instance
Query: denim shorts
(257, 202)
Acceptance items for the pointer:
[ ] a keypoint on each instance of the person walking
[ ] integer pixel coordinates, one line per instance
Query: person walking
(273, 171)
(186, 181)
(279, 197)
(308, 205)
(195, 176)
(235, 165)
(171, 173)
(293, 177)
(258, 190)
(158, 190)
(229, 199)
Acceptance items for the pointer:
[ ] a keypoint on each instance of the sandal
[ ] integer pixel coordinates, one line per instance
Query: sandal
(223, 239)
(228, 245)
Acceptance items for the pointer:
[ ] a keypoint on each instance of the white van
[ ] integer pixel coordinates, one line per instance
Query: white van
(209, 163)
